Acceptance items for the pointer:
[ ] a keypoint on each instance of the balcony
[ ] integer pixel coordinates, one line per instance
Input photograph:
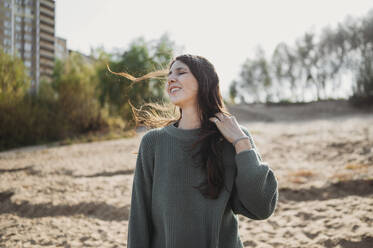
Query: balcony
(46, 12)
(47, 29)
(46, 46)
(46, 63)
(47, 21)
(46, 54)
(47, 4)
(46, 37)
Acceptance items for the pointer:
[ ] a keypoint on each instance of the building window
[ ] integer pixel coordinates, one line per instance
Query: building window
(28, 28)
(18, 19)
(7, 42)
(7, 32)
(7, 24)
(27, 55)
(28, 47)
(27, 63)
(18, 27)
(7, 50)
(18, 37)
(28, 11)
(6, 4)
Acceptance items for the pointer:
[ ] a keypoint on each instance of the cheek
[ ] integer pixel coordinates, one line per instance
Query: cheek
(191, 88)
(192, 85)
(191, 92)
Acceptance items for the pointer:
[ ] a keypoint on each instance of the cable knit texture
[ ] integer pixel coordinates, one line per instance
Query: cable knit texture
(167, 212)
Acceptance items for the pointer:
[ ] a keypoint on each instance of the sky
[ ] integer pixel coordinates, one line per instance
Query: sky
(224, 32)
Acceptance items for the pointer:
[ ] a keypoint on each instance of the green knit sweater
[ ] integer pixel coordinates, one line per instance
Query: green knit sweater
(167, 212)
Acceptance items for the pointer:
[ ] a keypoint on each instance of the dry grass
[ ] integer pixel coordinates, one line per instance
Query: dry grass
(302, 173)
(351, 166)
(343, 176)
(300, 176)
(298, 180)
(93, 137)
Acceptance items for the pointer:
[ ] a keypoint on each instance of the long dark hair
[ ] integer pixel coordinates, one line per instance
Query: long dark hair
(210, 102)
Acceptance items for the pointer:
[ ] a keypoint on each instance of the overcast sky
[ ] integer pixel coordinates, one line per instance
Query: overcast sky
(225, 32)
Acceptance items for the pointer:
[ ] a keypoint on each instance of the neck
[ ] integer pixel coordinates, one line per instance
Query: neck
(189, 118)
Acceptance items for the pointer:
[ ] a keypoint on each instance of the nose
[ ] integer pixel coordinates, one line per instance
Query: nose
(170, 79)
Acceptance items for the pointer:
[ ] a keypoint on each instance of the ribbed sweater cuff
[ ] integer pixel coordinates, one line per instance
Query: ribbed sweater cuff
(247, 157)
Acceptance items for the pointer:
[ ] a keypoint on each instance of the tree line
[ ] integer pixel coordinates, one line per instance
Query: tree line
(82, 96)
(313, 64)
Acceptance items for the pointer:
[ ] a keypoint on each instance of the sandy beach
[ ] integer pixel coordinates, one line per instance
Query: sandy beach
(322, 154)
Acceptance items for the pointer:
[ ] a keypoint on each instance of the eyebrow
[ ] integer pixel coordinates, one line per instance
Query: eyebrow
(177, 69)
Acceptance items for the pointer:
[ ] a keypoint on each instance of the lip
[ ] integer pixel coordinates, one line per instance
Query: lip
(172, 93)
(174, 86)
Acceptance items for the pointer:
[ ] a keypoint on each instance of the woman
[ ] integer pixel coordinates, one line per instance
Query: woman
(195, 172)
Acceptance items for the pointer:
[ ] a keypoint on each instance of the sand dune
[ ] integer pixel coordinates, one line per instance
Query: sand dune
(79, 195)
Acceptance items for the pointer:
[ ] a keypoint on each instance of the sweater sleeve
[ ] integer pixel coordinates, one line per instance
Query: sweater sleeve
(255, 190)
(140, 223)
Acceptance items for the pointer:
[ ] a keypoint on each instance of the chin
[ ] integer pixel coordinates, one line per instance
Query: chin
(176, 102)
(179, 101)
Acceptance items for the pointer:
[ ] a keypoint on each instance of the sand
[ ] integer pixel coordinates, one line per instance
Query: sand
(79, 195)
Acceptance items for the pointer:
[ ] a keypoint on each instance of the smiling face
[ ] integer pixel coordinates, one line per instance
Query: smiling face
(185, 84)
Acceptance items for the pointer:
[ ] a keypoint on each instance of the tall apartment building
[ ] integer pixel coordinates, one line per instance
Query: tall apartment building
(60, 48)
(27, 30)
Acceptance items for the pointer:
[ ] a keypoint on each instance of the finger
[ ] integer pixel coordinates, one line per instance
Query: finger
(214, 119)
(220, 116)
(224, 115)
